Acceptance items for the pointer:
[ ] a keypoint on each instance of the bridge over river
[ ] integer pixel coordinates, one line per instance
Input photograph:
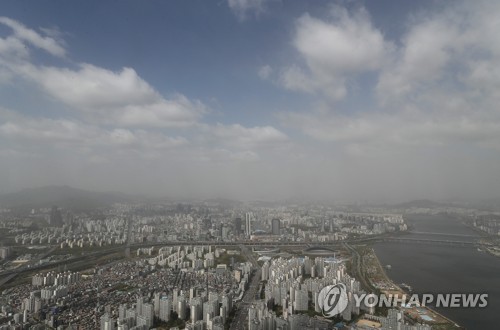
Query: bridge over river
(407, 240)
(441, 234)
(402, 239)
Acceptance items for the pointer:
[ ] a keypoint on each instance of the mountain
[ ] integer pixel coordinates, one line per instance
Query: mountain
(420, 203)
(491, 205)
(224, 202)
(62, 196)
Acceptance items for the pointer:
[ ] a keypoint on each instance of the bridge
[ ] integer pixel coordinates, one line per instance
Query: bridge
(441, 234)
(272, 245)
(9, 274)
(430, 241)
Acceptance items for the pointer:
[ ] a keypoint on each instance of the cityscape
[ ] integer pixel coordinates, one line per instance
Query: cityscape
(249, 165)
(213, 265)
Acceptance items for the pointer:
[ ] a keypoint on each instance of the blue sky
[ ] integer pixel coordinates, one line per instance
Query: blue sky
(345, 100)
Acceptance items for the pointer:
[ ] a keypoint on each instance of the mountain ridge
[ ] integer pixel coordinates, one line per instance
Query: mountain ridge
(63, 196)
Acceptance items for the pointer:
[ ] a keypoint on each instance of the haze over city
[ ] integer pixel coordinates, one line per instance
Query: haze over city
(343, 100)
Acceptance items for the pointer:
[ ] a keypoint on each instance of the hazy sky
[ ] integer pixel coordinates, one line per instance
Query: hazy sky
(346, 100)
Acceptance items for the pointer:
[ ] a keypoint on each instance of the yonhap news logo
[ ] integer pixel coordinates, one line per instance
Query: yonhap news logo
(333, 300)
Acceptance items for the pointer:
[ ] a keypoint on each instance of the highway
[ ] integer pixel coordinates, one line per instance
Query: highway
(442, 234)
(409, 240)
(357, 267)
(9, 274)
(240, 320)
(32, 266)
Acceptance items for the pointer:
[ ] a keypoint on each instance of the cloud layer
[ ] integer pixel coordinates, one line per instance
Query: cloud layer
(353, 114)
(437, 87)
(247, 8)
(334, 50)
(108, 115)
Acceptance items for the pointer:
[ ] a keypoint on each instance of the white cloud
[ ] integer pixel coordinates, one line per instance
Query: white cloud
(103, 96)
(45, 132)
(245, 156)
(389, 131)
(11, 47)
(426, 52)
(453, 50)
(236, 143)
(23, 33)
(265, 72)
(178, 111)
(333, 51)
(294, 78)
(348, 44)
(224, 156)
(437, 117)
(243, 8)
(122, 136)
(243, 137)
(106, 96)
(92, 88)
(439, 88)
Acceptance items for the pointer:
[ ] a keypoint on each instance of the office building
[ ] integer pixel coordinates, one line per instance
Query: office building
(55, 219)
(107, 323)
(248, 224)
(4, 252)
(276, 226)
(165, 308)
(237, 226)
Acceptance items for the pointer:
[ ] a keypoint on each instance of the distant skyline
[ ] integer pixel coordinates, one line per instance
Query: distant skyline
(383, 101)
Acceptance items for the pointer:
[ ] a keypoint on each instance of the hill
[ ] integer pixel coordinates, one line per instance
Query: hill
(420, 203)
(63, 196)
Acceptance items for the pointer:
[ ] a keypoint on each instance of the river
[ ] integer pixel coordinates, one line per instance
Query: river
(446, 269)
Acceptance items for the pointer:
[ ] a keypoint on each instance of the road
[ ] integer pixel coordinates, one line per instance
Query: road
(357, 267)
(8, 274)
(28, 266)
(33, 267)
(240, 320)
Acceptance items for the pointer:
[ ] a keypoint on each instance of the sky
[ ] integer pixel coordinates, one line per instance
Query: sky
(381, 101)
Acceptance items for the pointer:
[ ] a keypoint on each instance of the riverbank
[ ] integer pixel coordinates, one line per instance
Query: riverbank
(379, 279)
(490, 242)
(439, 268)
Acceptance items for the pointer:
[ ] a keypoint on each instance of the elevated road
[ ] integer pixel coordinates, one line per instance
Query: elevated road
(442, 234)
(357, 266)
(408, 240)
(247, 243)
(8, 275)
(241, 316)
